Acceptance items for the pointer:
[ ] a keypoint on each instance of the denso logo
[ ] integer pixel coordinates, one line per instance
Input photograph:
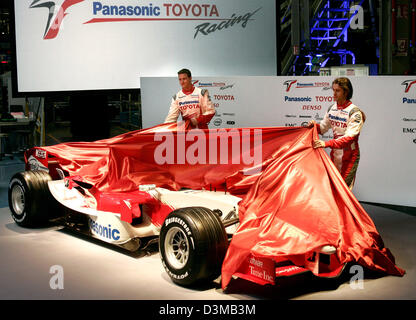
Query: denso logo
(311, 107)
(104, 232)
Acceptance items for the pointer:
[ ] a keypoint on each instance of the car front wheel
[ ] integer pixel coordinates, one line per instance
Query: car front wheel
(192, 243)
(30, 201)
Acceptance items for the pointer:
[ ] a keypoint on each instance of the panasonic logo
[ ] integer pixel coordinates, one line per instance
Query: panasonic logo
(104, 232)
(149, 10)
(406, 100)
(298, 99)
(188, 102)
(336, 118)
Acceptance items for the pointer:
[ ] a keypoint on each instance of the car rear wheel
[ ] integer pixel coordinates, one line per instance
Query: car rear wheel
(192, 243)
(30, 202)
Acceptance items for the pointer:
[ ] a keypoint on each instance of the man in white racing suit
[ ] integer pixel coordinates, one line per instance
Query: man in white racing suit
(192, 103)
(346, 120)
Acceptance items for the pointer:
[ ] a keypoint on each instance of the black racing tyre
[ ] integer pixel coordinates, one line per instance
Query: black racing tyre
(30, 200)
(192, 245)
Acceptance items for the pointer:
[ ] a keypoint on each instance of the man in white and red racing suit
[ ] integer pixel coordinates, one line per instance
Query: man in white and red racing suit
(346, 120)
(192, 103)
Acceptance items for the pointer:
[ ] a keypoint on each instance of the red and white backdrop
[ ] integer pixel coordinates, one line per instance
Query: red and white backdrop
(387, 170)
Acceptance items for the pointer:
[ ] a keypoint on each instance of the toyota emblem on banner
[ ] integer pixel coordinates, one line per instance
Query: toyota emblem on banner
(217, 122)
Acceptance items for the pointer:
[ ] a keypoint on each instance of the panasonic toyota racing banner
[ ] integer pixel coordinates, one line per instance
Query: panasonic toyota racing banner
(109, 44)
(387, 170)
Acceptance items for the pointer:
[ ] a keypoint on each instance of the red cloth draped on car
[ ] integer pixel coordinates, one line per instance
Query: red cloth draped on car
(294, 199)
(299, 204)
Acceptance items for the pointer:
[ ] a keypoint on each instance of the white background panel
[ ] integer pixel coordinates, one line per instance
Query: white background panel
(387, 170)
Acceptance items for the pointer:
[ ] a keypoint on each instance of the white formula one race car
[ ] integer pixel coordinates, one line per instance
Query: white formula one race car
(105, 189)
(193, 227)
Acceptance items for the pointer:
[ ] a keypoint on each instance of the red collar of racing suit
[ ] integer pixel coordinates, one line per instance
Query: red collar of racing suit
(343, 106)
(188, 92)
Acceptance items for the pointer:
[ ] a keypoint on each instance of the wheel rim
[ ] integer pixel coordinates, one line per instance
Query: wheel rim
(176, 248)
(18, 199)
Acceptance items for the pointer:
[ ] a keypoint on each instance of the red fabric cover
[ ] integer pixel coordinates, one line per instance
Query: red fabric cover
(298, 204)
(123, 162)
(295, 202)
(340, 143)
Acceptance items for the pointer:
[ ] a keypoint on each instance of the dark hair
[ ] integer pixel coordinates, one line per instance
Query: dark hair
(185, 71)
(345, 84)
